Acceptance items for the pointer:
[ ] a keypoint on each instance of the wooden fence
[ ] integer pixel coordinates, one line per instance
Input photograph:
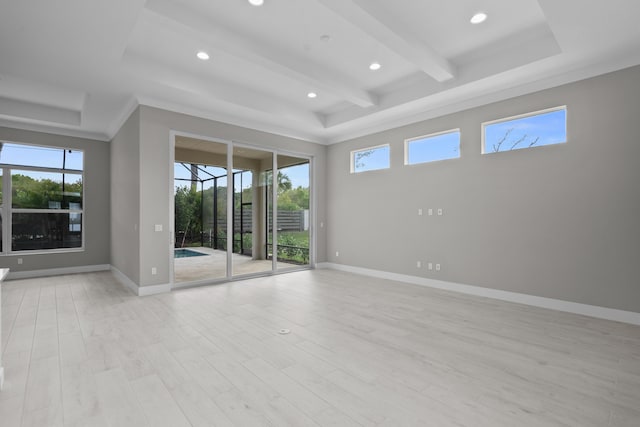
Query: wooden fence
(287, 220)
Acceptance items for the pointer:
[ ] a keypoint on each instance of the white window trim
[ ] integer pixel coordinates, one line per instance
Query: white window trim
(431, 135)
(7, 210)
(352, 157)
(43, 168)
(522, 116)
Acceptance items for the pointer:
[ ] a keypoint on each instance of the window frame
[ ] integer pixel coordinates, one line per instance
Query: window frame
(7, 210)
(484, 125)
(408, 142)
(352, 158)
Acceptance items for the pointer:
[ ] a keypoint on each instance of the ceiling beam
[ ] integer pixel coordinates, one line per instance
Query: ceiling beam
(277, 61)
(15, 108)
(379, 24)
(200, 86)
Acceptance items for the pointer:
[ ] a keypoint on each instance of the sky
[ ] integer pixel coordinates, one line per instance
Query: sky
(299, 175)
(371, 159)
(431, 149)
(548, 128)
(32, 155)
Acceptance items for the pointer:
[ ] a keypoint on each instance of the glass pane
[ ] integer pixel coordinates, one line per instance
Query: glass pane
(293, 212)
(187, 219)
(33, 155)
(73, 159)
(249, 211)
(200, 193)
(370, 159)
(34, 231)
(45, 190)
(220, 219)
(433, 148)
(532, 131)
(243, 212)
(268, 180)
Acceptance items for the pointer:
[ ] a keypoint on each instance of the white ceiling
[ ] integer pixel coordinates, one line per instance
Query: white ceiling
(79, 67)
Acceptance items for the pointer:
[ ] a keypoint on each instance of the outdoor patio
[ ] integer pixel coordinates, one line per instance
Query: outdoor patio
(214, 265)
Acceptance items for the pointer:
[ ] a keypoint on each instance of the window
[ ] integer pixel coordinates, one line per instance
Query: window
(41, 204)
(431, 148)
(536, 129)
(368, 159)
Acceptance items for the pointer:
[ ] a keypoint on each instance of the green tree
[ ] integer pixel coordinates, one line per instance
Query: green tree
(188, 215)
(295, 199)
(284, 182)
(30, 193)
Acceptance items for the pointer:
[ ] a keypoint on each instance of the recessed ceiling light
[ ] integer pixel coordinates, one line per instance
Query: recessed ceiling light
(312, 95)
(256, 2)
(202, 55)
(374, 66)
(478, 18)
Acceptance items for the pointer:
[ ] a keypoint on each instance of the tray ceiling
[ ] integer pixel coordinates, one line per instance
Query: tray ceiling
(79, 67)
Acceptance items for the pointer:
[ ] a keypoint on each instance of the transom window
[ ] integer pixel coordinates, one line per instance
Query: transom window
(41, 198)
(431, 148)
(372, 158)
(530, 130)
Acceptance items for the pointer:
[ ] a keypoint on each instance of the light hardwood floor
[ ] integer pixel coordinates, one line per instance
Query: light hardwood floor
(81, 350)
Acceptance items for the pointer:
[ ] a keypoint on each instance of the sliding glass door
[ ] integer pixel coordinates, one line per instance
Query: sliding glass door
(249, 206)
(293, 213)
(200, 210)
(232, 215)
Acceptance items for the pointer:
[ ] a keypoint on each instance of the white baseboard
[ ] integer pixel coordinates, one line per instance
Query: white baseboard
(1, 377)
(154, 289)
(13, 275)
(141, 291)
(124, 279)
(532, 300)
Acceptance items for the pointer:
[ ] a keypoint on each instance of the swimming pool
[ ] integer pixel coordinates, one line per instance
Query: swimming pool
(186, 253)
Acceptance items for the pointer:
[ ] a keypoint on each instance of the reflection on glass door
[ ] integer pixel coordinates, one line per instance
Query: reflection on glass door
(292, 217)
(250, 168)
(262, 226)
(200, 216)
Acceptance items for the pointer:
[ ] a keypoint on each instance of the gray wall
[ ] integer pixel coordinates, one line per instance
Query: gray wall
(96, 204)
(125, 198)
(555, 221)
(155, 188)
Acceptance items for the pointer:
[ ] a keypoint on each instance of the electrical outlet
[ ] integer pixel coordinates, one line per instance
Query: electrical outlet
(419, 264)
(439, 211)
(430, 212)
(154, 271)
(19, 261)
(337, 254)
(430, 266)
(419, 212)
(437, 267)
